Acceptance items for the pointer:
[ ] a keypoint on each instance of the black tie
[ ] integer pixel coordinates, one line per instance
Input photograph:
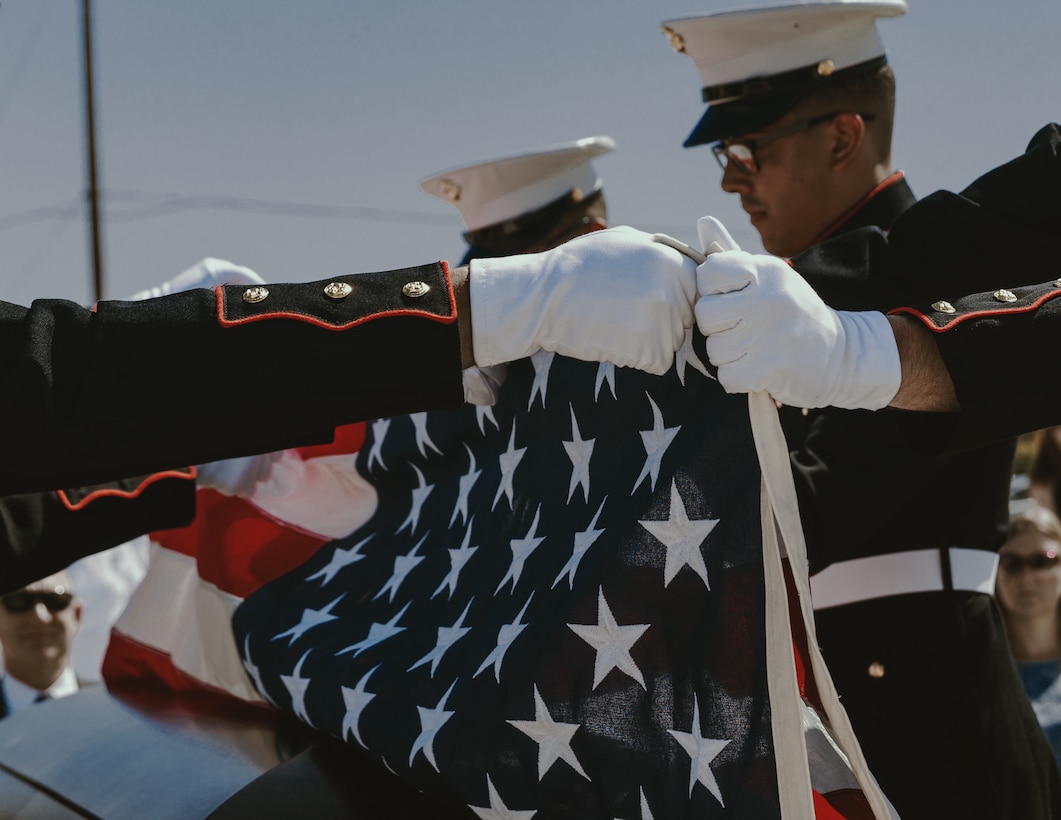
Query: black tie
(42, 696)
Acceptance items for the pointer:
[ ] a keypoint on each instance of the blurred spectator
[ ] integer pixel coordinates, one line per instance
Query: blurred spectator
(1029, 594)
(38, 624)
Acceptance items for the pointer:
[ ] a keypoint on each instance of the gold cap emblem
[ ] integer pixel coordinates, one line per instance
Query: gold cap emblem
(450, 190)
(943, 307)
(415, 289)
(826, 68)
(1004, 295)
(337, 290)
(677, 42)
(255, 294)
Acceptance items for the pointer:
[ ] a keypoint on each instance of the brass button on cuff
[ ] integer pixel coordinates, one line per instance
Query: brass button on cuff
(255, 294)
(1004, 295)
(415, 289)
(875, 670)
(943, 307)
(338, 290)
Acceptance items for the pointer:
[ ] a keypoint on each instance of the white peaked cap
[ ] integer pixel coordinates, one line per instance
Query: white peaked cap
(490, 192)
(784, 50)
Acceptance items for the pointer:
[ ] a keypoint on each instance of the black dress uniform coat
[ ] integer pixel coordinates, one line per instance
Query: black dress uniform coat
(43, 532)
(926, 678)
(135, 387)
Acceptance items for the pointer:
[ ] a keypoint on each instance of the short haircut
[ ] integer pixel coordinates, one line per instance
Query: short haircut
(1036, 519)
(868, 93)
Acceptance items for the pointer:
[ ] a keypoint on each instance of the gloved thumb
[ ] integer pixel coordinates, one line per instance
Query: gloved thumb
(713, 232)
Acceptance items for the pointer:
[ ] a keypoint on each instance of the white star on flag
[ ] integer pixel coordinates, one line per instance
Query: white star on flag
(379, 432)
(542, 361)
(296, 686)
(423, 440)
(377, 633)
(656, 441)
(431, 720)
(580, 452)
(403, 565)
(509, 461)
(701, 750)
(682, 538)
(686, 357)
(521, 551)
(497, 810)
(605, 373)
(447, 636)
(466, 482)
(458, 559)
(612, 642)
(420, 494)
(340, 558)
(506, 636)
(355, 700)
(484, 412)
(310, 618)
(583, 541)
(553, 738)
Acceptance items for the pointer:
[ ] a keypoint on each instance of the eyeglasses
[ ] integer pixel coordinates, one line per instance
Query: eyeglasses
(1011, 563)
(19, 602)
(743, 153)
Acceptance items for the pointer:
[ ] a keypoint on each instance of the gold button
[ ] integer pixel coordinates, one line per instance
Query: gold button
(255, 294)
(337, 290)
(1004, 295)
(415, 289)
(825, 68)
(1057, 283)
(943, 307)
(876, 670)
(450, 190)
(677, 42)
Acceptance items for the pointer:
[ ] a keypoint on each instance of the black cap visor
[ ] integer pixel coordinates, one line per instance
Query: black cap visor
(741, 117)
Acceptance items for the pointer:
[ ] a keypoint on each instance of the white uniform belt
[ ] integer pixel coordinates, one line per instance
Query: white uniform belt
(902, 573)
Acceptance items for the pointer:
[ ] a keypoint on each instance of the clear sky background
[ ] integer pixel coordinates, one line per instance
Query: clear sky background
(292, 136)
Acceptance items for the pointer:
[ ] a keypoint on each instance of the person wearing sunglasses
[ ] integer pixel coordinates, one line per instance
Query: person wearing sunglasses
(1029, 594)
(902, 544)
(38, 624)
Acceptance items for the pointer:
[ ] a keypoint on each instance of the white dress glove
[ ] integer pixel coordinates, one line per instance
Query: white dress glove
(205, 274)
(768, 330)
(482, 384)
(613, 296)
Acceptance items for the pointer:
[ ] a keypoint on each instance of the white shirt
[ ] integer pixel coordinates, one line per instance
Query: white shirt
(19, 696)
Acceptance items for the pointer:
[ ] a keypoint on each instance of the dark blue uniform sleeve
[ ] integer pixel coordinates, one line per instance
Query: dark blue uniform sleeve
(137, 387)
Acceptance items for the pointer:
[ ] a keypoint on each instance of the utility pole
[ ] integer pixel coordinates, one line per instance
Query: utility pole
(90, 134)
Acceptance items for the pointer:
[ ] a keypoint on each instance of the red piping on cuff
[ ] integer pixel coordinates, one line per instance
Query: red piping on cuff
(979, 314)
(187, 474)
(302, 317)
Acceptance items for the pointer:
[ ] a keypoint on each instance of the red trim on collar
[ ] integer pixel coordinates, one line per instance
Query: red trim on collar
(858, 206)
(186, 473)
(977, 314)
(302, 317)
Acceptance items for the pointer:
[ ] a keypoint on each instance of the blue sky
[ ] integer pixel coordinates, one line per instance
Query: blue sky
(292, 136)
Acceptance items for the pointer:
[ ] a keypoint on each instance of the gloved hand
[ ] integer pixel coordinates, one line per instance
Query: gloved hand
(614, 296)
(768, 330)
(236, 476)
(481, 384)
(205, 274)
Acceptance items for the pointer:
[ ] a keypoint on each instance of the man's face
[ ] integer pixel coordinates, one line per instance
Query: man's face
(40, 633)
(786, 199)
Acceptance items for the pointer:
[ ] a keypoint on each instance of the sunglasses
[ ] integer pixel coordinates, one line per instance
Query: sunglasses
(19, 602)
(1011, 564)
(743, 153)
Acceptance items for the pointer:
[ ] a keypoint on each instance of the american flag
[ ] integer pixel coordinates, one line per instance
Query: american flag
(557, 609)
